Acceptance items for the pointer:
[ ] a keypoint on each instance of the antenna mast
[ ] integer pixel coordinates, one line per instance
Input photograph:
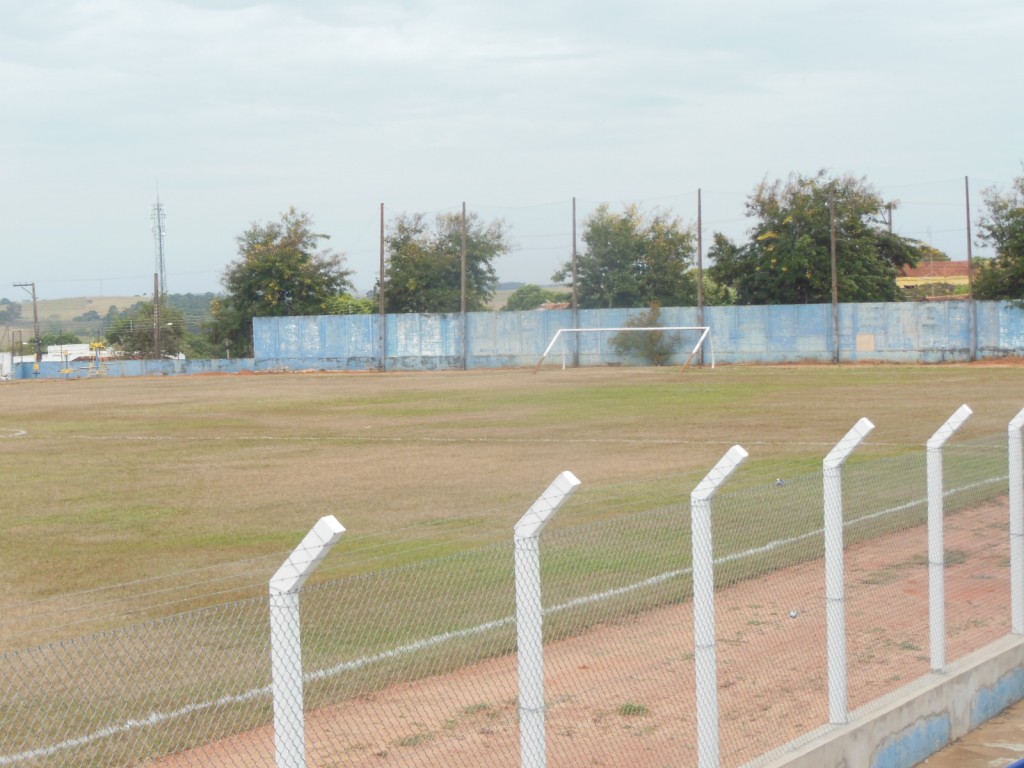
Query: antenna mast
(158, 236)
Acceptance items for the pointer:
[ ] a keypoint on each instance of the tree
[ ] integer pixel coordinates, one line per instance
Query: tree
(654, 346)
(279, 272)
(424, 268)
(787, 259)
(633, 260)
(132, 333)
(1002, 227)
(10, 312)
(531, 296)
(58, 338)
(344, 304)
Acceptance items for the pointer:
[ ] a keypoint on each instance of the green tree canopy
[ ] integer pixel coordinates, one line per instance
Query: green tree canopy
(787, 259)
(279, 271)
(345, 304)
(424, 267)
(531, 296)
(132, 333)
(1002, 227)
(58, 337)
(633, 260)
(10, 312)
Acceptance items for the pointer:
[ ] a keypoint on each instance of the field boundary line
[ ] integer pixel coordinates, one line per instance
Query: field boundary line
(155, 718)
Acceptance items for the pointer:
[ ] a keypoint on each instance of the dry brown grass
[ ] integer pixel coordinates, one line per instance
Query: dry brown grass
(123, 480)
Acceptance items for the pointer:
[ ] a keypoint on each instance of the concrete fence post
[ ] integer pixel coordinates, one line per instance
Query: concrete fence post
(286, 640)
(530, 618)
(835, 589)
(936, 547)
(704, 605)
(1016, 462)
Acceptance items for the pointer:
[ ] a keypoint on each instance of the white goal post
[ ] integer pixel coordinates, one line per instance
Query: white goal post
(705, 334)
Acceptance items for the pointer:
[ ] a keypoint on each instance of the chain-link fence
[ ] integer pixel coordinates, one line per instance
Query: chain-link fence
(418, 665)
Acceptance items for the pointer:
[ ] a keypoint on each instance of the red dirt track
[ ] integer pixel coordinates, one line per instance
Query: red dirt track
(622, 695)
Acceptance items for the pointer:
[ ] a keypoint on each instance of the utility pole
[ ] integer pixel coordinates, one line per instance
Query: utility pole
(973, 341)
(35, 318)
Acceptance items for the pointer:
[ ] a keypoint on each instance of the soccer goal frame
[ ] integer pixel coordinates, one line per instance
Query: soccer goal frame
(704, 335)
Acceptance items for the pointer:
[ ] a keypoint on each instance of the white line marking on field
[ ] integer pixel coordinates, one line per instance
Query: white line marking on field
(441, 439)
(155, 718)
(12, 432)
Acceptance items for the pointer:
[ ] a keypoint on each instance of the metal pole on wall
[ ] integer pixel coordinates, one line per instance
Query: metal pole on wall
(156, 315)
(700, 272)
(35, 321)
(835, 275)
(383, 334)
(972, 341)
(835, 590)
(575, 293)
(703, 558)
(286, 640)
(936, 552)
(1016, 462)
(530, 617)
(465, 319)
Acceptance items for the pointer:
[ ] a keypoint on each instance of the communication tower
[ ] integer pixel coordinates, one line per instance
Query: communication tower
(158, 237)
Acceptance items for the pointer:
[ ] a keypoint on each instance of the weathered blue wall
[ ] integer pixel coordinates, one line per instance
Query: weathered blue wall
(123, 368)
(903, 332)
(907, 332)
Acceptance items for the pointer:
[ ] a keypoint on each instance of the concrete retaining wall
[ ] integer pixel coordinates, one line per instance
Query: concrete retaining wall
(904, 729)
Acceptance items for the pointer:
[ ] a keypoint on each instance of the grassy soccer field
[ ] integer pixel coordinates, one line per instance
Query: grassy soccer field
(128, 481)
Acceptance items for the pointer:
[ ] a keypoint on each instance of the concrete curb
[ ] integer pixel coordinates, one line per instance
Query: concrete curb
(908, 726)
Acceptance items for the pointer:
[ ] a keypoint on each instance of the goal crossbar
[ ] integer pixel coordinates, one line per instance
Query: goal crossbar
(705, 334)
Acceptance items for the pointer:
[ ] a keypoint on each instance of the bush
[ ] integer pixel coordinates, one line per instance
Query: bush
(654, 346)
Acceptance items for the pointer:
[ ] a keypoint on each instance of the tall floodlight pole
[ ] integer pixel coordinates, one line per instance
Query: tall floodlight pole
(465, 318)
(380, 286)
(700, 272)
(575, 293)
(35, 317)
(973, 308)
(835, 275)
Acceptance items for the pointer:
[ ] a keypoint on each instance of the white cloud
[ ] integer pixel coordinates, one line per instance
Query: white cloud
(241, 109)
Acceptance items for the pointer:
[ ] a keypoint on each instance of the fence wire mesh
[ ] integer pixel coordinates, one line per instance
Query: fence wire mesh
(414, 665)
(120, 697)
(768, 545)
(977, 545)
(417, 666)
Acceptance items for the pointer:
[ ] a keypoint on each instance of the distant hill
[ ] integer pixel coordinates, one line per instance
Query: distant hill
(85, 316)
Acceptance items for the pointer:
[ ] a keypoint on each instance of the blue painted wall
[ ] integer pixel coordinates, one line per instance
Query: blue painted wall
(902, 332)
(123, 368)
(907, 332)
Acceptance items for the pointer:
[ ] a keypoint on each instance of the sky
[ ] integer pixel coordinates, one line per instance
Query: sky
(230, 112)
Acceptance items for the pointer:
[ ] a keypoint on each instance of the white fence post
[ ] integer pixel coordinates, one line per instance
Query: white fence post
(1016, 461)
(285, 640)
(835, 590)
(530, 618)
(936, 550)
(704, 605)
